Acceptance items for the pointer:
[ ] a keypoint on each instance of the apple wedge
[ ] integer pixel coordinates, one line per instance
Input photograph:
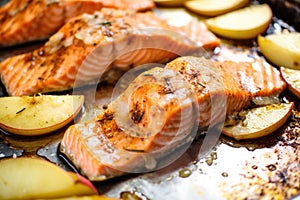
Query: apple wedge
(260, 121)
(245, 23)
(32, 178)
(37, 115)
(213, 8)
(292, 78)
(281, 49)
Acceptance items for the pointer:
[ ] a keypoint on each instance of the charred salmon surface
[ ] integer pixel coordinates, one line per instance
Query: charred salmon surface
(157, 111)
(89, 45)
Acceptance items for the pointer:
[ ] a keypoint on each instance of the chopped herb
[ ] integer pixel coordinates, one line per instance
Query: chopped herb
(147, 75)
(20, 110)
(135, 150)
(201, 84)
(105, 23)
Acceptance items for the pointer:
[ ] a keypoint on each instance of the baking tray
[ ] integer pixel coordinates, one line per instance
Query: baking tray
(264, 168)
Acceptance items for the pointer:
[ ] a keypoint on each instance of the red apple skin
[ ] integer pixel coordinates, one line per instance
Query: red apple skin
(85, 181)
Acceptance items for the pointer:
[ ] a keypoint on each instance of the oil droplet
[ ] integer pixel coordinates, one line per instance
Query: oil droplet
(150, 163)
(214, 155)
(184, 173)
(271, 167)
(225, 174)
(209, 161)
(127, 195)
(170, 178)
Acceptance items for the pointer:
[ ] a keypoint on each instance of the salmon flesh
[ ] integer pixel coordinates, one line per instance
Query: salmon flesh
(89, 45)
(158, 110)
(23, 21)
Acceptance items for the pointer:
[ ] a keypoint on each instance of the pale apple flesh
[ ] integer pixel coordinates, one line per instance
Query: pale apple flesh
(38, 115)
(32, 178)
(245, 23)
(292, 78)
(260, 121)
(213, 8)
(281, 49)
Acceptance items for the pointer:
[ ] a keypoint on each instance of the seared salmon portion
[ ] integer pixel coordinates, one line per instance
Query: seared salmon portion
(90, 44)
(23, 21)
(238, 83)
(128, 138)
(157, 111)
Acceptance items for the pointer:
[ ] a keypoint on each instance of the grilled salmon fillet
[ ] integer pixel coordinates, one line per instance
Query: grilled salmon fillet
(23, 21)
(90, 44)
(157, 111)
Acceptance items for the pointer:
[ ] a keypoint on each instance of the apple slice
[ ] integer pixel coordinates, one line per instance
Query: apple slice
(39, 114)
(292, 78)
(32, 178)
(212, 8)
(260, 121)
(245, 23)
(281, 49)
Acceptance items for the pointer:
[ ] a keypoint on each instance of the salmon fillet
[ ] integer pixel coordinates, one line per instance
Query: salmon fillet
(156, 113)
(23, 21)
(90, 44)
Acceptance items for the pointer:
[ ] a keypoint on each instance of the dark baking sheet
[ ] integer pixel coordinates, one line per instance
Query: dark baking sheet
(264, 168)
